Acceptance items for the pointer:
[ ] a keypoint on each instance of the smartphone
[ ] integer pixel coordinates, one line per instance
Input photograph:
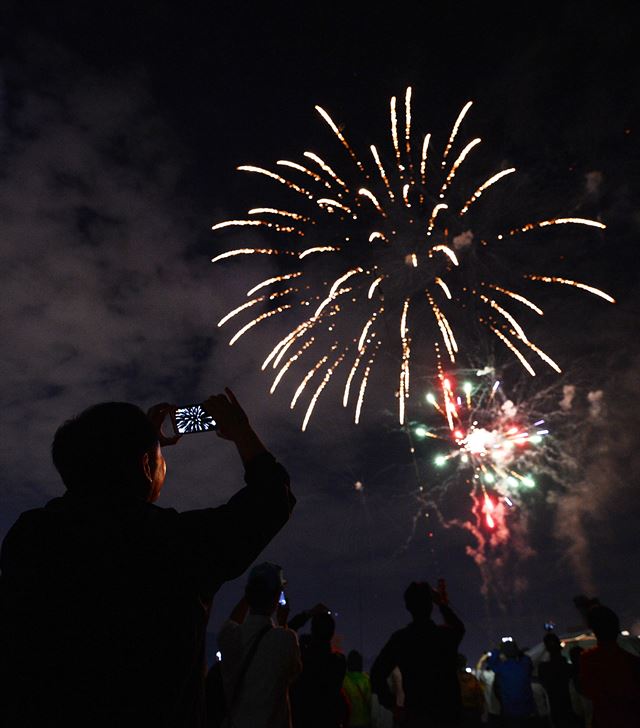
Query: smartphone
(282, 601)
(193, 418)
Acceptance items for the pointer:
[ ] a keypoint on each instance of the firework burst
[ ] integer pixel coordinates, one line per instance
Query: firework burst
(382, 230)
(489, 441)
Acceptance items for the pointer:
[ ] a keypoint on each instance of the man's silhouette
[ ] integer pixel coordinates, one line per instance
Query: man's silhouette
(609, 675)
(317, 700)
(105, 597)
(427, 656)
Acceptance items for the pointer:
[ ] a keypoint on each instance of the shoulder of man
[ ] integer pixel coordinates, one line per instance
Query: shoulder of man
(403, 634)
(12, 544)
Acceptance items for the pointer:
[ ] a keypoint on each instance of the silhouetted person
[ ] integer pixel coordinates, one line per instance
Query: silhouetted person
(555, 676)
(609, 675)
(513, 673)
(105, 597)
(583, 604)
(427, 657)
(317, 700)
(259, 659)
(580, 704)
(357, 687)
(471, 695)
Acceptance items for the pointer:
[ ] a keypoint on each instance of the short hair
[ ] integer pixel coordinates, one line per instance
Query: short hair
(604, 622)
(323, 627)
(510, 649)
(101, 447)
(354, 661)
(263, 586)
(418, 599)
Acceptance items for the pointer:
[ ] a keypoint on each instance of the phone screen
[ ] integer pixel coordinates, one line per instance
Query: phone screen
(193, 419)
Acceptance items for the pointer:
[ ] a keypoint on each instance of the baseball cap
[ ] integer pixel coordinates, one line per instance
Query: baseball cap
(268, 576)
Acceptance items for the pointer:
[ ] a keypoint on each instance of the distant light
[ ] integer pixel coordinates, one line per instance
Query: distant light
(431, 399)
(535, 439)
(542, 432)
(508, 501)
(219, 656)
(488, 478)
(529, 482)
(507, 639)
(468, 669)
(466, 388)
(421, 431)
(440, 460)
(512, 481)
(495, 386)
(464, 458)
(458, 434)
(358, 485)
(625, 633)
(539, 422)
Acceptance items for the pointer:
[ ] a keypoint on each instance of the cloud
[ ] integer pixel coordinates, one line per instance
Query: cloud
(595, 503)
(595, 403)
(104, 294)
(593, 183)
(568, 393)
(463, 240)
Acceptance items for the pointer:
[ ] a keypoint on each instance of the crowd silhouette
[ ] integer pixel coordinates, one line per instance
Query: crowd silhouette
(105, 600)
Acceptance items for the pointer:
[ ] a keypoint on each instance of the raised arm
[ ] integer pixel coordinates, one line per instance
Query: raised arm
(232, 424)
(441, 600)
(297, 622)
(226, 540)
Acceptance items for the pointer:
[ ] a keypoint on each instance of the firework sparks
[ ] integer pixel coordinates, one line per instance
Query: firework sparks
(398, 240)
(489, 439)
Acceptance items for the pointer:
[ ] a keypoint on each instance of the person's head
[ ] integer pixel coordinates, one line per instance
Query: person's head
(510, 649)
(552, 644)
(584, 603)
(418, 599)
(354, 661)
(604, 623)
(323, 627)
(263, 588)
(110, 449)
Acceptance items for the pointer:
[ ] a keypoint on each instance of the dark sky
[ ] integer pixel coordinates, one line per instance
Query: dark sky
(122, 125)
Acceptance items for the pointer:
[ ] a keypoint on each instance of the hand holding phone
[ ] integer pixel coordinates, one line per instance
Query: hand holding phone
(232, 422)
(157, 414)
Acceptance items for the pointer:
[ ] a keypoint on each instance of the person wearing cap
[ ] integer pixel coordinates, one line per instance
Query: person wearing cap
(105, 596)
(260, 659)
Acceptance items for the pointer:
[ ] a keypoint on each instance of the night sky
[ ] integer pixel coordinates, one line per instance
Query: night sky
(122, 125)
